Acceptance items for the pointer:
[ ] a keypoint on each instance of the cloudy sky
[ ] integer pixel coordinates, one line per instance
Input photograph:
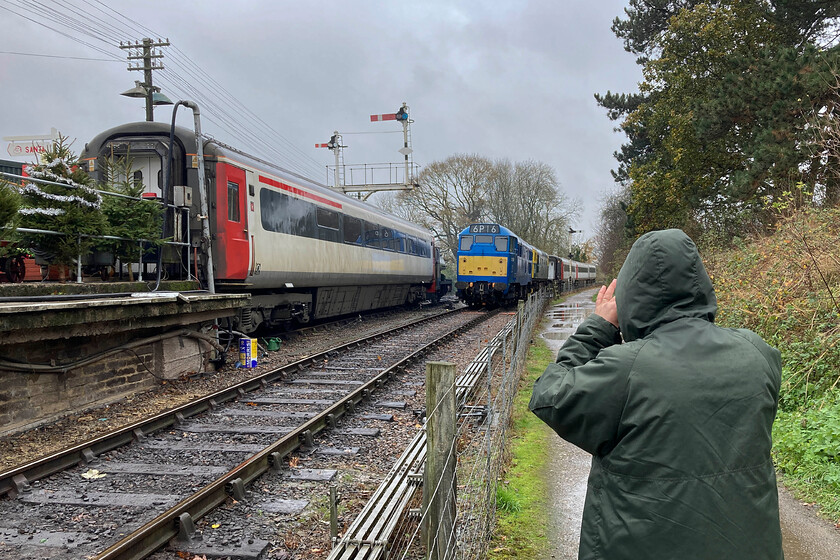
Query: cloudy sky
(500, 78)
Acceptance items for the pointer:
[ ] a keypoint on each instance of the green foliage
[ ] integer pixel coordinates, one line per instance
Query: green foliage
(9, 206)
(71, 207)
(807, 450)
(127, 217)
(786, 287)
(507, 501)
(719, 124)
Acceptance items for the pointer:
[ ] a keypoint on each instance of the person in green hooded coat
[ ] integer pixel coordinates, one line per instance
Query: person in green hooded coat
(677, 418)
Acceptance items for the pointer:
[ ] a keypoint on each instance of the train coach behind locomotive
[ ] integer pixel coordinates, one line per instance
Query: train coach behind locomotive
(302, 250)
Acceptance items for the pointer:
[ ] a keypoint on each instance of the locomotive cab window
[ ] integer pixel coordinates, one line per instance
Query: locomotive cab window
(466, 242)
(233, 201)
(502, 243)
(484, 239)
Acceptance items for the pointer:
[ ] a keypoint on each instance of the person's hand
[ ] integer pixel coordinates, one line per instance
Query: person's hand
(605, 304)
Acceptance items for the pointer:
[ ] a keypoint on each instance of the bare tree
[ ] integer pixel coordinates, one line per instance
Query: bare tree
(526, 198)
(463, 189)
(450, 195)
(611, 241)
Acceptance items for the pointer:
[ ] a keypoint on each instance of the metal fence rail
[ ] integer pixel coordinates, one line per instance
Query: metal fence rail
(386, 528)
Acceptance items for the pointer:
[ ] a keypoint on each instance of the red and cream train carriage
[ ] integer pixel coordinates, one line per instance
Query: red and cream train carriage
(301, 249)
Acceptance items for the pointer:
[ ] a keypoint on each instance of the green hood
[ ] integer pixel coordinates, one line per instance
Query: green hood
(663, 279)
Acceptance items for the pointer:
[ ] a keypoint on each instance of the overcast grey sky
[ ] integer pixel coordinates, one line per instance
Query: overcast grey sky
(502, 79)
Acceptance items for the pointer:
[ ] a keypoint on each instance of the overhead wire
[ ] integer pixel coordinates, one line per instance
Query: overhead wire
(182, 60)
(60, 56)
(101, 22)
(76, 39)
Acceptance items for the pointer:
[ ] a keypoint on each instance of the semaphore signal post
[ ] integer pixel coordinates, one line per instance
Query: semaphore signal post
(343, 175)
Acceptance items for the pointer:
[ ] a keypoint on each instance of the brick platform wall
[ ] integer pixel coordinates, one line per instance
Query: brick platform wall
(30, 399)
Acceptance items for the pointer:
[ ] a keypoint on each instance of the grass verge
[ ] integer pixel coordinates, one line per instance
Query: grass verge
(521, 498)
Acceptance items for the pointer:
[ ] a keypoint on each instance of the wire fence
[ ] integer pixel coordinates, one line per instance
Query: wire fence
(484, 398)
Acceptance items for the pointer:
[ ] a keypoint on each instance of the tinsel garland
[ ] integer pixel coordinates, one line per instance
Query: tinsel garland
(33, 190)
(42, 211)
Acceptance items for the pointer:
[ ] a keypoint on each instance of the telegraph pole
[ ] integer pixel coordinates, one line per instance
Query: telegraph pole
(150, 58)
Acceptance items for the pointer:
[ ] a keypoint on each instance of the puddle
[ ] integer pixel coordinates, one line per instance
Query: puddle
(565, 319)
(557, 335)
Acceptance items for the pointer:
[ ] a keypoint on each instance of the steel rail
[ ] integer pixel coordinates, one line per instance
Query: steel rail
(157, 532)
(18, 479)
(368, 537)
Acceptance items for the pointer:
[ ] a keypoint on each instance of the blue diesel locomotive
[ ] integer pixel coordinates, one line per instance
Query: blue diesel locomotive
(497, 267)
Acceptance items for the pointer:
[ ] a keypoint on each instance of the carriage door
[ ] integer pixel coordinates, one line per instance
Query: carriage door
(231, 224)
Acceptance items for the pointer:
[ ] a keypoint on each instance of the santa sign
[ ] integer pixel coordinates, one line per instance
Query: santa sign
(23, 146)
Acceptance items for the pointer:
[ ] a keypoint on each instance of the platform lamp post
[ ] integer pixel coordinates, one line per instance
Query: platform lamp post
(152, 95)
(202, 187)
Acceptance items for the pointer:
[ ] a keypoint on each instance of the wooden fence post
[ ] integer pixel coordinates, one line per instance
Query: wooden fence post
(439, 474)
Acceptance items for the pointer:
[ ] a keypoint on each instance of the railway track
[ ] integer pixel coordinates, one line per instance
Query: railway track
(149, 482)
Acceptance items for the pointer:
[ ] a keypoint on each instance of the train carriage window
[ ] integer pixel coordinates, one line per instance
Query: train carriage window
(285, 214)
(352, 230)
(328, 224)
(233, 201)
(399, 241)
(387, 237)
(466, 242)
(484, 239)
(372, 235)
(502, 243)
(326, 218)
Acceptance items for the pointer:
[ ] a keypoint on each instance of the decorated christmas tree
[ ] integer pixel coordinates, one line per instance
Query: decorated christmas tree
(64, 202)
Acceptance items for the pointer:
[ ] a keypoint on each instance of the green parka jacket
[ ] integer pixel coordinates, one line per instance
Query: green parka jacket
(678, 418)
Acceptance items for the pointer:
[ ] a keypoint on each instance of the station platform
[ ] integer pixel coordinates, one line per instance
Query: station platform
(66, 346)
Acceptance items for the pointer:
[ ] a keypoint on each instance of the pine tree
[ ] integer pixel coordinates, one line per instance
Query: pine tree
(67, 205)
(129, 218)
(9, 207)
